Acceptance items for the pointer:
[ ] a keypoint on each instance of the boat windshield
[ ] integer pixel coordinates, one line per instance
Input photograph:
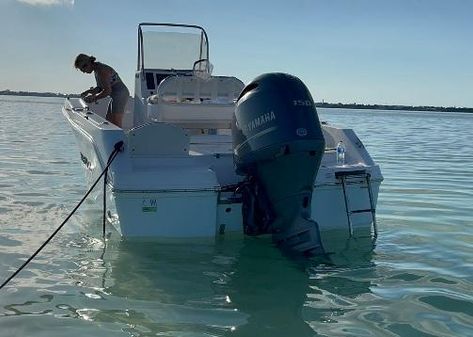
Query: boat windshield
(178, 48)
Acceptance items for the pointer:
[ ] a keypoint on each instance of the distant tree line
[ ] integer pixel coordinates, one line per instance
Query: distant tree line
(393, 107)
(37, 94)
(318, 104)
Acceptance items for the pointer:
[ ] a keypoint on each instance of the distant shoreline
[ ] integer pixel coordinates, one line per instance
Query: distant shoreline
(35, 94)
(318, 104)
(393, 107)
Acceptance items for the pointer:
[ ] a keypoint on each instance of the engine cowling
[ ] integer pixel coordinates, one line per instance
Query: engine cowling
(278, 144)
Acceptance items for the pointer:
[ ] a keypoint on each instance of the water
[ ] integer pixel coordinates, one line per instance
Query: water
(418, 281)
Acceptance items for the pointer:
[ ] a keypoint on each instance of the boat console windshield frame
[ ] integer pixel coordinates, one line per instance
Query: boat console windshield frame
(176, 47)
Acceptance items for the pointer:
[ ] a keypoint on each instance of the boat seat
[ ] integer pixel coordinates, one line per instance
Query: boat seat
(193, 102)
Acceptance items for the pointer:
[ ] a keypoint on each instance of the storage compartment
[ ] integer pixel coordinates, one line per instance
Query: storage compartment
(167, 214)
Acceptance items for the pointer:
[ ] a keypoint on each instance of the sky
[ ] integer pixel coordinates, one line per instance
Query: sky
(407, 52)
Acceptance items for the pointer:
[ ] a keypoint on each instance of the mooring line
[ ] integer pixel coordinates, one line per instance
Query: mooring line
(117, 148)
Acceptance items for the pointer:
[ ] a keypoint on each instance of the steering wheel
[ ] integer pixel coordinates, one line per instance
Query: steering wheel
(207, 66)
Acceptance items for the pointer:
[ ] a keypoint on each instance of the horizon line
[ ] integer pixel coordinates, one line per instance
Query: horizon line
(8, 92)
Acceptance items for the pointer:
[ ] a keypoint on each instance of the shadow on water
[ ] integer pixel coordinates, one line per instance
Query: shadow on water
(243, 287)
(238, 287)
(233, 286)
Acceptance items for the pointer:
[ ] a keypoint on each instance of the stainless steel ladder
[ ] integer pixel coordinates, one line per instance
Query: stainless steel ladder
(342, 176)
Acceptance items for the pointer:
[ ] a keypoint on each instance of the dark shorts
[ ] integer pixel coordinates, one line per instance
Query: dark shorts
(119, 97)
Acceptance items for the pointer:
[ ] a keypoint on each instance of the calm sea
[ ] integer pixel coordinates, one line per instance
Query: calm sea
(418, 281)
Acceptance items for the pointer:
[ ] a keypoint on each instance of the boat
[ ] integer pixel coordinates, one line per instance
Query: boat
(203, 156)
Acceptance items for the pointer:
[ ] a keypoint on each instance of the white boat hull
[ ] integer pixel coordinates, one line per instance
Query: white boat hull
(165, 214)
(183, 197)
(202, 214)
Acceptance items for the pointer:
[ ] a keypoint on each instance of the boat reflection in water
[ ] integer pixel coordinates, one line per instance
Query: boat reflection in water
(247, 286)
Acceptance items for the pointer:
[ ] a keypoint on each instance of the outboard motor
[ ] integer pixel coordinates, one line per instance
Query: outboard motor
(278, 144)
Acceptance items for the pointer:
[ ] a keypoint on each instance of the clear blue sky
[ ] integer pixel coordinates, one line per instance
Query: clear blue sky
(416, 52)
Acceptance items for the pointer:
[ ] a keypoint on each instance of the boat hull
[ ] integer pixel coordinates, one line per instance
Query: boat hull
(155, 191)
(187, 214)
(171, 214)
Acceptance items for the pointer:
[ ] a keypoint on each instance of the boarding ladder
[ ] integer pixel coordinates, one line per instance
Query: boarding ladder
(344, 177)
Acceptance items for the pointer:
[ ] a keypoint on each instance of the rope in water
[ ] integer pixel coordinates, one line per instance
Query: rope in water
(117, 148)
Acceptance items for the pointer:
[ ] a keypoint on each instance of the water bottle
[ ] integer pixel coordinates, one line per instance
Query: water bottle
(340, 152)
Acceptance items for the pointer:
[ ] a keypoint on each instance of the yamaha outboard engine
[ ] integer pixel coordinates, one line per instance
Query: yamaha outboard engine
(278, 144)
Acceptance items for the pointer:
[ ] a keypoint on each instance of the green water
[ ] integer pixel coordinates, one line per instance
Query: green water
(418, 281)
